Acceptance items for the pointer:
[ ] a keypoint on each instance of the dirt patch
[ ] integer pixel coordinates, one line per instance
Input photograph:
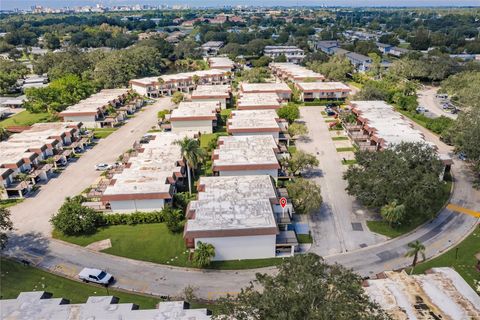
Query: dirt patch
(100, 245)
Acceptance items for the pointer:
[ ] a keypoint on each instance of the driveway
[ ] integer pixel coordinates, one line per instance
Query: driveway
(427, 98)
(339, 226)
(33, 214)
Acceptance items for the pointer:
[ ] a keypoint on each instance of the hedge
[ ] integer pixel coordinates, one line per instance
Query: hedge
(131, 218)
(317, 102)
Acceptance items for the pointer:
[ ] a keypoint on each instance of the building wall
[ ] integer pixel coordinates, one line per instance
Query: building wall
(273, 134)
(146, 205)
(222, 102)
(271, 172)
(325, 95)
(140, 90)
(246, 247)
(88, 121)
(203, 126)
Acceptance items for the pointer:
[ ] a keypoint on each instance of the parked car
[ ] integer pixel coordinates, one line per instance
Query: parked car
(330, 112)
(421, 109)
(78, 150)
(103, 167)
(462, 156)
(96, 276)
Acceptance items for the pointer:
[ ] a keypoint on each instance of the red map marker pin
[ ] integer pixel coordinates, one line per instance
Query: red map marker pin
(283, 202)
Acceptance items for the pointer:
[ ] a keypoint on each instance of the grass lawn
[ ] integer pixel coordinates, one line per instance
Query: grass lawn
(9, 202)
(154, 243)
(382, 227)
(101, 133)
(24, 118)
(207, 137)
(349, 162)
(339, 138)
(15, 278)
(304, 238)
(328, 120)
(461, 258)
(345, 149)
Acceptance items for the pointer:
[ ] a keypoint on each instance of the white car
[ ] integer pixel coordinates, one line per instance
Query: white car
(96, 276)
(103, 167)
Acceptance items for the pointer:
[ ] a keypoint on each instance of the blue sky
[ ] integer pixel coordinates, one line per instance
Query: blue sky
(10, 4)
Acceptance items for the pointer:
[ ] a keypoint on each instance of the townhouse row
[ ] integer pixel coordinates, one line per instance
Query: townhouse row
(106, 108)
(30, 156)
(186, 82)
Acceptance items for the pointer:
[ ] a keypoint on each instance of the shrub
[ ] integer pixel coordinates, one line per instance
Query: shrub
(74, 219)
(131, 218)
(174, 219)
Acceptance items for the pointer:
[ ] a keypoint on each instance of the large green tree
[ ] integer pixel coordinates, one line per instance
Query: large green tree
(299, 161)
(305, 195)
(6, 225)
(337, 68)
(290, 112)
(407, 174)
(305, 287)
(10, 72)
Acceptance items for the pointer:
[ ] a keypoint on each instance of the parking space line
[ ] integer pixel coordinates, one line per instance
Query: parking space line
(460, 209)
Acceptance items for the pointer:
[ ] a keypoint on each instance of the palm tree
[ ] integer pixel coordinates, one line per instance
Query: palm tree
(203, 254)
(51, 160)
(393, 212)
(415, 248)
(192, 154)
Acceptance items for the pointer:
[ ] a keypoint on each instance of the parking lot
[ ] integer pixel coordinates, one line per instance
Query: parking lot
(427, 98)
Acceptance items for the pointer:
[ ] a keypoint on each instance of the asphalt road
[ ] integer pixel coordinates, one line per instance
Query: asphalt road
(33, 214)
(427, 99)
(33, 243)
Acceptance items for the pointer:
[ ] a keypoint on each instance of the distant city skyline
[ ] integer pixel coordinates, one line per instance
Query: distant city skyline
(27, 4)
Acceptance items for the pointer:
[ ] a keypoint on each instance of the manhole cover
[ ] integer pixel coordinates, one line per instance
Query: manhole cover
(356, 226)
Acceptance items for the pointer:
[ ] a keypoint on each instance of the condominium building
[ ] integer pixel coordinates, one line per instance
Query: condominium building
(255, 122)
(295, 73)
(26, 153)
(198, 117)
(280, 88)
(322, 90)
(378, 126)
(440, 293)
(246, 155)
(184, 82)
(211, 48)
(292, 54)
(220, 94)
(241, 217)
(41, 305)
(149, 178)
(103, 109)
(255, 101)
(221, 63)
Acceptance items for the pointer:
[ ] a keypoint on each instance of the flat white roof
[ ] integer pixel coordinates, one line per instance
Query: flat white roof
(388, 124)
(253, 119)
(95, 102)
(42, 306)
(211, 91)
(443, 292)
(196, 110)
(323, 86)
(40, 134)
(281, 49)
(244, 152)
(295, 71)
(176, 77)
(220, 62)
(149, 170)
(235, 202)
(258, 100)
(276, 87)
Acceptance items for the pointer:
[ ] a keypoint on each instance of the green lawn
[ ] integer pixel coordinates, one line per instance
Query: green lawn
(339, 138)
(349, 162)
(101, 133)
(9, 202)
(207, 137)
(15, 278)
(461, 258)
(155, 243)
(304, 238)
(345, 149)
(382, 227)
(25, 118)
(330, 120)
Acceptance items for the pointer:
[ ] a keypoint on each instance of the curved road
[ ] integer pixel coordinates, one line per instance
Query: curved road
(67, 259)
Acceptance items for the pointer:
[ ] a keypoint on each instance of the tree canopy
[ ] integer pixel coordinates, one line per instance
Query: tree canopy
(336, 68)
(407, 174)
(5, 226)
(305, 287)
(74, 219)
(305, 195)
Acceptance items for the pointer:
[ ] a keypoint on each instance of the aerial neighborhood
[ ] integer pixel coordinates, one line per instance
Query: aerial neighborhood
(169, 162)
